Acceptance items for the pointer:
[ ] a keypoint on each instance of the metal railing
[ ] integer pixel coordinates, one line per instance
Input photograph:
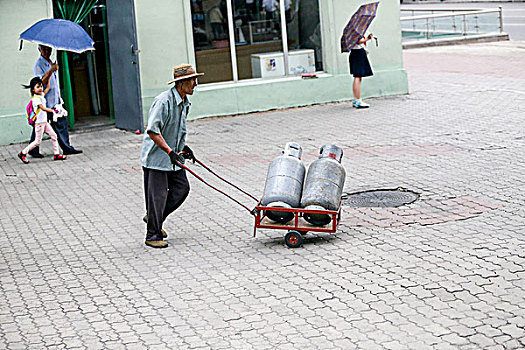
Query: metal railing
(438, 23)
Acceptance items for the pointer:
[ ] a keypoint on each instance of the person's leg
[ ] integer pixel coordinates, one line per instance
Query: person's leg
(358, 103)
(216, 28)
(178, 190)
(39, 131)
(250, 10)
(61, 129)
(356, 88)
(156, 194)
(269, 19)
(146, 189)
(49, 130)
(35, 152)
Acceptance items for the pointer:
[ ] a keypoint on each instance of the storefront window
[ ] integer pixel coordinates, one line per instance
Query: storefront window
(304, 29)
(258, 38)
(211, 40)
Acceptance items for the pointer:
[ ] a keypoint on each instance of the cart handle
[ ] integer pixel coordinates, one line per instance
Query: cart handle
(252, 211)
(228, 182)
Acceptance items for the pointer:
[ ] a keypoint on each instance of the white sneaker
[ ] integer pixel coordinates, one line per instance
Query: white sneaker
(361, 104)
(353, 102)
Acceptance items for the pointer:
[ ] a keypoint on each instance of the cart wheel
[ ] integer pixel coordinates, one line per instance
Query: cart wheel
(293, 239)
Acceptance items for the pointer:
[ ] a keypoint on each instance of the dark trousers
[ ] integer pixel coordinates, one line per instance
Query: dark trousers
(250, 10)
(217, 31)
(164, 192)
(62, 131)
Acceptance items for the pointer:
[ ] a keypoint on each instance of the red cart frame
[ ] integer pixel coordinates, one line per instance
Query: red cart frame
(297, 226)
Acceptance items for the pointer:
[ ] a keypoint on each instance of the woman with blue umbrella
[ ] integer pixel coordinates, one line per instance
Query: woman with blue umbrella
(46, 69)
(62, 35)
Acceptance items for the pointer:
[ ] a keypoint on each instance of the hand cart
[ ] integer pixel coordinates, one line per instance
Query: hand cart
(298, 226)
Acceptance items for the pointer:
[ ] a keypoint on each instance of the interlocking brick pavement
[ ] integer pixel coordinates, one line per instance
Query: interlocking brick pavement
(445, 272)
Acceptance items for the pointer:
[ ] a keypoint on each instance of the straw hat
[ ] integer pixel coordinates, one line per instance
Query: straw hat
(183, 71)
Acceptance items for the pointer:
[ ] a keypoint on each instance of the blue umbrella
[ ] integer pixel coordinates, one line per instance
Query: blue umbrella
(59, 34)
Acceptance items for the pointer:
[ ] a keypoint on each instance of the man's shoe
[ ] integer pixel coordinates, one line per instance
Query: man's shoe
(157, 244)
(354, 103)
(73, 151)
(164, 233)
(23, 158)
(59, 157)
(36, 155)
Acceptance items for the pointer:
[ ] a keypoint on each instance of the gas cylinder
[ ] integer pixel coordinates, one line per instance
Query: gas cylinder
(284, 183)
(324, 185)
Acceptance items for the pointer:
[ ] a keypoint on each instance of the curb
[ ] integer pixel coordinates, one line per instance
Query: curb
(485, 38)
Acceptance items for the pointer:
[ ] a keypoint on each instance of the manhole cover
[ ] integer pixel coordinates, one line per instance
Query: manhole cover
(380, 198)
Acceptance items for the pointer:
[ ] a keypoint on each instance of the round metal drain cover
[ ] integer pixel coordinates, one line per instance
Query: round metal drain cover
(380, 198)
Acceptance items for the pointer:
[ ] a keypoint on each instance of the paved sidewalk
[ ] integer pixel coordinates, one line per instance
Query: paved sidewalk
(446, 272)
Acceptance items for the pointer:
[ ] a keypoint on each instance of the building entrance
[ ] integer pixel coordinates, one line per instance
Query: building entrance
(91, 75)
(105, 82)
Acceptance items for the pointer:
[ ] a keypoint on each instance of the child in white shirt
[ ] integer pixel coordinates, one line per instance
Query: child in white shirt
(41, 125)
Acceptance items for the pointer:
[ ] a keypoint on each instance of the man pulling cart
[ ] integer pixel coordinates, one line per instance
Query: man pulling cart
(164, 151)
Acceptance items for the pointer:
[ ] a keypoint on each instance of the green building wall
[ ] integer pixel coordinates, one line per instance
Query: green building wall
(164, 33)
(167, 35)
(17, 66)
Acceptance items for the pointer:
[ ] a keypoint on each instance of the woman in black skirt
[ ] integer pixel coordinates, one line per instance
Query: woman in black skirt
(359, 68)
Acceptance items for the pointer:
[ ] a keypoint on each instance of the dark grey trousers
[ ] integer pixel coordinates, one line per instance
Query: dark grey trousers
(164, 191)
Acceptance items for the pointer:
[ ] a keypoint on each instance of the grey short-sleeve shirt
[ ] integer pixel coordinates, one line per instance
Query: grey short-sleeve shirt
(167, 117)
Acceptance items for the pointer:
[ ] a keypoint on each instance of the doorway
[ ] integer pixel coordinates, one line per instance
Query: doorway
(105, 82)
(91, 75)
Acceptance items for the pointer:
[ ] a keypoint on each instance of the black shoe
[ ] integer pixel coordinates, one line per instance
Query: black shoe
(36, 155)
(164, 233)
(73, 151)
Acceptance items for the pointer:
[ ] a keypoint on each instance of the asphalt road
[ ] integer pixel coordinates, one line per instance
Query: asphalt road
(513, 13)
